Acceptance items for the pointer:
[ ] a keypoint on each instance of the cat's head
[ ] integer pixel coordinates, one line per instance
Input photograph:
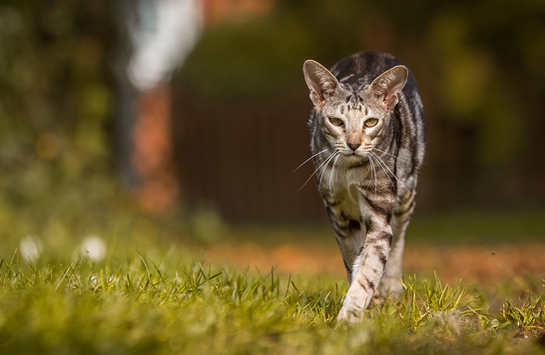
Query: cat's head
(353, 117)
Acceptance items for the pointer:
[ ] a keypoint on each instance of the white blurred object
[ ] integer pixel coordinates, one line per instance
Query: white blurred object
(162, 35)
(94, 247)
(31, 248)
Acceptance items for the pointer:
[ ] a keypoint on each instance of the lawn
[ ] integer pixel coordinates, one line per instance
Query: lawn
(161, 298)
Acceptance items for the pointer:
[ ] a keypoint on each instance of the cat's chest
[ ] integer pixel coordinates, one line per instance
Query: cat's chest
(343, 183)
(339, 187)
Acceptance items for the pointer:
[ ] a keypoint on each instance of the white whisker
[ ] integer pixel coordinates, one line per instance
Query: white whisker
(317, 169)
(374, 175)
(386, 166)
(393, 156)
(382, 165)
(309, 159)
(331, 173)
(328, 160)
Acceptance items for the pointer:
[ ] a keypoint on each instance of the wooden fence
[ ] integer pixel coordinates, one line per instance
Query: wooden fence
(240, 158)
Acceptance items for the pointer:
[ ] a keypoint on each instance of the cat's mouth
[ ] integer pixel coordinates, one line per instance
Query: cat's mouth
(353, 155)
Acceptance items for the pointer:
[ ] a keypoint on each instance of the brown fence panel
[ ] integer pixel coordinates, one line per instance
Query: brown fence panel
(240, 157)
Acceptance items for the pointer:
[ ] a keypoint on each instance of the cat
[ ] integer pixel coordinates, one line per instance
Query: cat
(368, 136)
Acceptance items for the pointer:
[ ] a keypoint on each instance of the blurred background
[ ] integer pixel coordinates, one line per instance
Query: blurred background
(194, 113)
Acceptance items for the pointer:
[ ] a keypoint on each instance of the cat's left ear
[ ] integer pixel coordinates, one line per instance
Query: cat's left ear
(388, 84)
(320, 81)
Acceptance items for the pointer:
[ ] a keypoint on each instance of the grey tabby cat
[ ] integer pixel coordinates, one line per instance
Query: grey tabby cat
(368, 135)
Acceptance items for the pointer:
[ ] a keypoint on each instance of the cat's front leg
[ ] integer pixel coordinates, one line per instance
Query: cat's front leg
(370, 263)
(366, 277)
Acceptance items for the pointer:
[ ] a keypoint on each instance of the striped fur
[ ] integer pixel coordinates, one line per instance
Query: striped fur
(367, 139)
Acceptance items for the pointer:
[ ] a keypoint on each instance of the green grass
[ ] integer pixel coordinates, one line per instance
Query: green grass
(167, 302)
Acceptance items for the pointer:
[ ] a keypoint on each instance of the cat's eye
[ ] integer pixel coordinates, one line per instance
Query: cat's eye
(372, 122)
(336, 121)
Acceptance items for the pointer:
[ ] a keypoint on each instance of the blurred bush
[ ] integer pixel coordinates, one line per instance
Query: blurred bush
(56, 113)
(248, 60)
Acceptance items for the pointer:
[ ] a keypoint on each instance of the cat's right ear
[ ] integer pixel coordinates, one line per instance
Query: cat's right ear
(321, 83)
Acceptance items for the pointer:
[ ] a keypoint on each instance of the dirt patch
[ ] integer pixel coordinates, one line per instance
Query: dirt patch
(472, 263)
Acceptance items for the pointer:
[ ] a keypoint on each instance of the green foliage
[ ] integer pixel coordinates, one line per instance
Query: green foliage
(133, 305)
(56, 103)
(252, 59)
(438, 300)
(530, 316)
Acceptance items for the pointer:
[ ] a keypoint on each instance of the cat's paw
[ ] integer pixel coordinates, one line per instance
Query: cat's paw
(390, 288)
(348, 316)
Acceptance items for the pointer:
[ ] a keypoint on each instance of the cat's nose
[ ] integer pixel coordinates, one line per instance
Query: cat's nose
(353, 146)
